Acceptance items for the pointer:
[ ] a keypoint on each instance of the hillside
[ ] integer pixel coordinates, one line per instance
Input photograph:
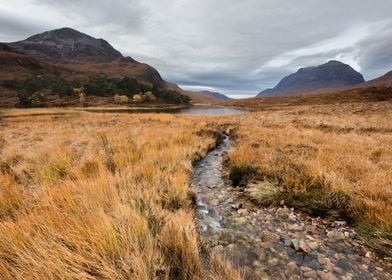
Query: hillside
(356, 95)
(331, 75)
(216, 95)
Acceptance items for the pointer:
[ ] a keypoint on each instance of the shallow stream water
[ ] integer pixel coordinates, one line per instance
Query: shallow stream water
(276, 242)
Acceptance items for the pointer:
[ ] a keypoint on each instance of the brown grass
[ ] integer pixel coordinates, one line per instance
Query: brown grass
(88, 196)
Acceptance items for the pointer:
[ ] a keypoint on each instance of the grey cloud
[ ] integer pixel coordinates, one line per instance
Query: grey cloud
(228, 45)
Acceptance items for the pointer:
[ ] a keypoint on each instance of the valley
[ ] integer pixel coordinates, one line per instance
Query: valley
(115, 191)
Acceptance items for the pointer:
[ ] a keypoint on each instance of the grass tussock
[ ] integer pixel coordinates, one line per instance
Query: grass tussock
(86, 196)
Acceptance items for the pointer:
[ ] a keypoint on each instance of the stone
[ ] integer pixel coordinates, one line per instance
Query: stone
(303, 246)
(243, 212)
(299, 258)
(269, 236)
(310, 274)
(295, 244)
(273, 262)
(292, 269)
(282, 213)
(335, 235)
(343, 264)
(338, 270)
(326, 275)
(295, 227)
(287, 242)
(313, 245)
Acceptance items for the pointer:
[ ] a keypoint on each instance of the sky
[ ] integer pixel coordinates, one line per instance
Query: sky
(235, 47)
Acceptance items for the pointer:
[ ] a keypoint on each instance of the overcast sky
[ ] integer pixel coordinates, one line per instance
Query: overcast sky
(232, 46)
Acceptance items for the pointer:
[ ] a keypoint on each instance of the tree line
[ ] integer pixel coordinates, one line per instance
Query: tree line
(30, 92)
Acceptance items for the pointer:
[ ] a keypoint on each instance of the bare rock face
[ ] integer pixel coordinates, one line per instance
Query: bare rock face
(331, 75)
(66, 43)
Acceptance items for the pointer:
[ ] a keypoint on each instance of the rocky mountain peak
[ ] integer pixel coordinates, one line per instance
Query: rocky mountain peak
(67, 43)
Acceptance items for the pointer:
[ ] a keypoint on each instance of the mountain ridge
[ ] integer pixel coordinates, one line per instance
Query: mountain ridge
(66, 43)
(331, 75)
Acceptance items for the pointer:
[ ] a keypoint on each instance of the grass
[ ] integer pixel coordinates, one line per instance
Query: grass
(91, 195)
(326, 159)
(87, 196)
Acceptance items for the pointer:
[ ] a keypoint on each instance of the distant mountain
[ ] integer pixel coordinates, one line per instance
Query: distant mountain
(217, 95)
(385, 80)
(67, 43)
(331, 75)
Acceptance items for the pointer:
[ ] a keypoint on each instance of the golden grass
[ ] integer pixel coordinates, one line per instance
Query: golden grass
(88, 196)
(336, 150)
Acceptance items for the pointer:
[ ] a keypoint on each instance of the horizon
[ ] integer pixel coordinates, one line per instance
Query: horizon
(238, 49)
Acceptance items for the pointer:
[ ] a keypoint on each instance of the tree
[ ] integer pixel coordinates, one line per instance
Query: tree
(61, 88)
(121, 99)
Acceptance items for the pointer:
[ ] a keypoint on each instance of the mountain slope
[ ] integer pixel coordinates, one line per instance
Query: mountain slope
(85, 55)
(67, 43)
(331, 75)
(17, 64)
(385, 80)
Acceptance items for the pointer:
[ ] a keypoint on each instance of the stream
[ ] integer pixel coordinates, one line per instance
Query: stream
(275, 242)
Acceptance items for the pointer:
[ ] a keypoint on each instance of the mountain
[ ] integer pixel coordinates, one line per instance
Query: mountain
(67, 54)
(67, 43)
(331, 75)
(217, 95)
(83, 53)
